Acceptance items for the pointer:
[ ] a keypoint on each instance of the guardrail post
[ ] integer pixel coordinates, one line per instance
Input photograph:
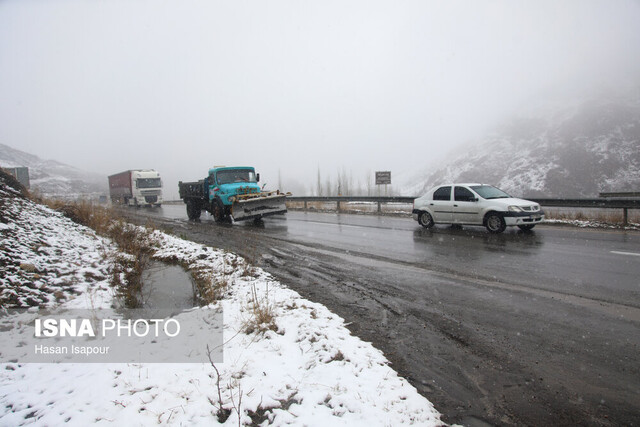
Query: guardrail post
(338, 206)
(305, 205)
(625, 217)
(379, 207)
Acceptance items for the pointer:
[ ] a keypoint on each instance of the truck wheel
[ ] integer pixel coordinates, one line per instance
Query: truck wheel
(495, 223)
(193, 210)
(218, 210)
(425, 219)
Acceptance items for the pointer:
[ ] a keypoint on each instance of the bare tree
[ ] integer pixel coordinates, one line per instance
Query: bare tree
(319, 185)
(350, 184)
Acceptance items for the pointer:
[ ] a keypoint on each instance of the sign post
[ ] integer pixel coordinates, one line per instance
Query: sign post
(383, 178)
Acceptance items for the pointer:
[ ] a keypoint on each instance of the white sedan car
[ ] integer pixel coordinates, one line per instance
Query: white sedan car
(475, 204)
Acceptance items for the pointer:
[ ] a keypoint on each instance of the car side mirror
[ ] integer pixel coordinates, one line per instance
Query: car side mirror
(258, 177)
(473, 199)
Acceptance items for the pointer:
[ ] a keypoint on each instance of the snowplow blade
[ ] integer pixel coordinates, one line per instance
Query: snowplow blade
(258, 206)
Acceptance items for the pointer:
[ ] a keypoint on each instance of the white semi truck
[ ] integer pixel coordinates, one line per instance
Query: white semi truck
(138, 187)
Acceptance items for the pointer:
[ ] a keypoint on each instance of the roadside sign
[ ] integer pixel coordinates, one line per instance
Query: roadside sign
(383, 178)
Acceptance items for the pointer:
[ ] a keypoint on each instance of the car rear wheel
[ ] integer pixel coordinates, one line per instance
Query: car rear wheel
(425, 220)
(495, 223)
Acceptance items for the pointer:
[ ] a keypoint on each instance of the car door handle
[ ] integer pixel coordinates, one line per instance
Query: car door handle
(455, 206)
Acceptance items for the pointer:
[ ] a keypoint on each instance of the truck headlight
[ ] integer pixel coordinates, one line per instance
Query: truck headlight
(514, 208)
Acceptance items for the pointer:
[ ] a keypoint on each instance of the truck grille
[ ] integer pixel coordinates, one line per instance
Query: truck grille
(151, 199)
(150, 192)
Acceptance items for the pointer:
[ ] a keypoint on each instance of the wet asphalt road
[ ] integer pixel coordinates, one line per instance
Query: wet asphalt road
(539, 328)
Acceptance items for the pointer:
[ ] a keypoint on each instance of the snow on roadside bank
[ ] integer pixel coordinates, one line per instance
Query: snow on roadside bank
(309, 370)
(45, 258)
(592, 224)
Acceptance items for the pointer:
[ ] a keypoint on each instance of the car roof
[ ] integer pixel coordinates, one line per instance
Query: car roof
(468, 184)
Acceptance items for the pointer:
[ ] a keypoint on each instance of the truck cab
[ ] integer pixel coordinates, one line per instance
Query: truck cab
(225, 183)
(146, 188)
(137, 187)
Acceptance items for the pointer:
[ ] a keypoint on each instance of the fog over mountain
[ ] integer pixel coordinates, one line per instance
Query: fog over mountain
(573, 150)
(52, 178)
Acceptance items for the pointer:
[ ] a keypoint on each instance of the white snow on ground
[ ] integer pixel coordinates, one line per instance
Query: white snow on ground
(309, 371)
(45, 257)
(592, 224)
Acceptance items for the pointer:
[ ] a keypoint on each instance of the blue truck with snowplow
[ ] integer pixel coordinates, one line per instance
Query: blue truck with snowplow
(231, 192)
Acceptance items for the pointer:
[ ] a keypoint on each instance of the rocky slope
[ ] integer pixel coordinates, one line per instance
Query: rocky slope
(576, 151)
(52, 178)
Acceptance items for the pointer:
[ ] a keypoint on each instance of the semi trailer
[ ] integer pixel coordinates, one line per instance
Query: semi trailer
(136, 187)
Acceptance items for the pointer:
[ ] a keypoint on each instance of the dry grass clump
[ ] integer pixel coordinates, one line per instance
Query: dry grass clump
(209, 288)
(83, 212)
(262, 316)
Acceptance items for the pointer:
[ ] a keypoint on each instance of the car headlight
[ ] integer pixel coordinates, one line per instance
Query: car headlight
(515, 209)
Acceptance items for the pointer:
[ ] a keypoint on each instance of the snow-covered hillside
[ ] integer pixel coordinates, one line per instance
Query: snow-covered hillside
(575, 151)
(52, 178)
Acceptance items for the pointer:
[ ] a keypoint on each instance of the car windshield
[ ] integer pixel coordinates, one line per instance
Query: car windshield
(236, 175)
(148, 182)
(489, 192)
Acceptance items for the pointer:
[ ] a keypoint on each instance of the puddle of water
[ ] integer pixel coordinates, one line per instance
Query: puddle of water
(167, 287)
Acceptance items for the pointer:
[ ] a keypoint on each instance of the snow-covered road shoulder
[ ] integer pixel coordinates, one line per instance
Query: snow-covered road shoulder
(303, 368)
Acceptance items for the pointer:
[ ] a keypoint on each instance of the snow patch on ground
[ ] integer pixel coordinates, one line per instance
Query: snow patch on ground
(592, 224)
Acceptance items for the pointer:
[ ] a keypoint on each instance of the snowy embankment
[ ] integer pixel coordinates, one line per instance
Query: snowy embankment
(307, 369)
(592, 224)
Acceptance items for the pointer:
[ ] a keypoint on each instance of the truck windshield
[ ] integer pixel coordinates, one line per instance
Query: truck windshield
(489, 192)
(148, 182)
(236, 175)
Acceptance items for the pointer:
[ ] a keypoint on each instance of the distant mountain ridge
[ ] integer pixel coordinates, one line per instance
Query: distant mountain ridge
(576, 152)
(52, 178)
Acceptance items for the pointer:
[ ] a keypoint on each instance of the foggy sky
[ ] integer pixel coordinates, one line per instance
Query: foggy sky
(292, 86)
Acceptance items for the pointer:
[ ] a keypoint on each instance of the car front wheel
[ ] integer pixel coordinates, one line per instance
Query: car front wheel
(425, 219)
(495, 223)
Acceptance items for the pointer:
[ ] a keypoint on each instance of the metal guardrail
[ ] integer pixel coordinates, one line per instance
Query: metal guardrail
(606, 203)
(628, 194)
(589, 203)
(391, 199)
(603, 203)
(346, 199)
